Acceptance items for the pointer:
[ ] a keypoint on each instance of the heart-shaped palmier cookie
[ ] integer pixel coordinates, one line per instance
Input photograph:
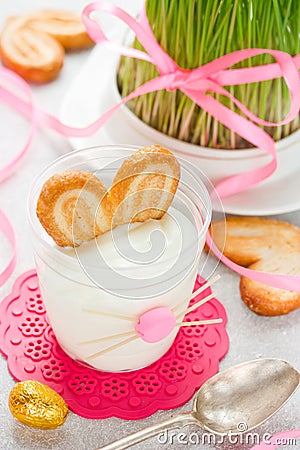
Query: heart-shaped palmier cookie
(144, 186)
(73, 207)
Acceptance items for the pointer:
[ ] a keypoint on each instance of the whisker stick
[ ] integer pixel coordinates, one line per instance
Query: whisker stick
(114, 316)
(112, 347)
(196, 305)
(106, 338)
(199, 322)
(198, 291)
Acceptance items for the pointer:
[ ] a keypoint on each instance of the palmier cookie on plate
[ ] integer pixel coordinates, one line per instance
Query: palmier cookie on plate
(73, 207)
(265, 245)
(144, 186)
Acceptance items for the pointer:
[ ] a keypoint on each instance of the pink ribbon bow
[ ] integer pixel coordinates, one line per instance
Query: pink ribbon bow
(195, 83)
(210, 77)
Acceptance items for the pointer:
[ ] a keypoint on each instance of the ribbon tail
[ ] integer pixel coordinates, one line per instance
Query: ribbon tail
(25, 108)
(248, 75)
(154, 53)
(294, 109)
(240, 182)
(153, 85)
(280, 281)
(29, 112)
(7, 230)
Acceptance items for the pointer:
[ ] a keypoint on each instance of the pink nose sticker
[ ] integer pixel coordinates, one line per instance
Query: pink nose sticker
(155, 324)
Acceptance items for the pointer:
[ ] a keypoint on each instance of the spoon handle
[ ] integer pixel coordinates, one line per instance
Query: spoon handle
(174, 422)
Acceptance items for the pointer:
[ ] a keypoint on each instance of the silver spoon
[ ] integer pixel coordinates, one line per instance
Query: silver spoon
(247, 394)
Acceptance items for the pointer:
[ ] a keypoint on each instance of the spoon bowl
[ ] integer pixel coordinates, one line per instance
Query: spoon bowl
(244, 396)
(233, 401)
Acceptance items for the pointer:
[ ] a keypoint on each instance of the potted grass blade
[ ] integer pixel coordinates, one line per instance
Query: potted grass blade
(193, 33)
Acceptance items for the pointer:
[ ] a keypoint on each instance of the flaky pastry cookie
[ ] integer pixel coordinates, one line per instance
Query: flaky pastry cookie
(73, 207)
(144, 186)
(33, 44)
(64, 26)
(265, 245)
(33, 54)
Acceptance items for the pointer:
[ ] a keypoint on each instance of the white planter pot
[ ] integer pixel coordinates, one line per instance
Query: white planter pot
(94, 91)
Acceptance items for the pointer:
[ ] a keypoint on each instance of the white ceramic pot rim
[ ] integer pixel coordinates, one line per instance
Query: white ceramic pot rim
(185, 148)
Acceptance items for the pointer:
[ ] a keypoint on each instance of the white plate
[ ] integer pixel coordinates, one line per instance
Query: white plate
(90, 94)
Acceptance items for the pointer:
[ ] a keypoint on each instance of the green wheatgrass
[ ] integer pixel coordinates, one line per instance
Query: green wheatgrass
(194, 32)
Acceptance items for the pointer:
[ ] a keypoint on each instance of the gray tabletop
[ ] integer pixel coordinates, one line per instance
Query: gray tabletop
(251, 336)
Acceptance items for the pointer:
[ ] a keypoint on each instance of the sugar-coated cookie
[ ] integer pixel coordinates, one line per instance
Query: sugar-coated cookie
(73, 207)
(144, 186)
(33, 44)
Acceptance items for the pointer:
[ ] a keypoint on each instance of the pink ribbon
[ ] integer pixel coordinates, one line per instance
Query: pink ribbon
(7, 230)
(278, 439)
(9, 79)
(195, 83)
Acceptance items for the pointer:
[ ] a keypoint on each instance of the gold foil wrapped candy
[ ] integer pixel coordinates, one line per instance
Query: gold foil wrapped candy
(36, 405)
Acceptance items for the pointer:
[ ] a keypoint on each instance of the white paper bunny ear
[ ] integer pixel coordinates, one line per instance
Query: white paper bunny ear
(155, 324)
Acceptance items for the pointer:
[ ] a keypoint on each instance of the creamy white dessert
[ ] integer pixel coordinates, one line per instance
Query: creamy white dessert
(100, 288)
(95, 293)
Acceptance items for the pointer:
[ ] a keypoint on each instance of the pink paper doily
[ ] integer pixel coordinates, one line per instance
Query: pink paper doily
(32, 352)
